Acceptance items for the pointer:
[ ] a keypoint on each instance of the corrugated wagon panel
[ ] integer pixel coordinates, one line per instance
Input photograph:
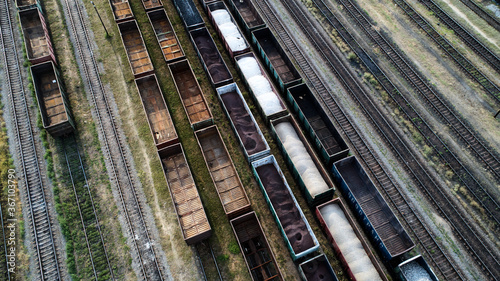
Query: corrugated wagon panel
(319, 127)
(187, 203)
(36, 37)
(52, 101)
(192, 98)
(152, 4)
(389, 235)
(137, 54)
(159, 119)
(223, 173)
(246, 14)
(278, 63)
(121, 10)
(165, 35)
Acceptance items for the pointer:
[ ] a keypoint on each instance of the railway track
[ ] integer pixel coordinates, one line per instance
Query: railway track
(44, 246)
(427, 93)
(482, 13)
(453, 53)
(120, 167)
(469, 39)
(433, 251)
(204, 248)
(99, 259)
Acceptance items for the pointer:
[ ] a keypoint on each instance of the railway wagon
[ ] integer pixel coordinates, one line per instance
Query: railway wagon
(224, 175)
(165, 35)
(259, 258)
(287, 213)
(121, 10)
(380, 223)
(227, 28)
(28, 4)
(261, 88)
(348, 242)
(159, 119)
(327, 141)
(137, 54)
(247, 15)
(278, 63)
(189, 14)
(317, 269)
(36, 36)
(52, 100)
(192, 98)
(306, 168)
(415, 269)
(185, 197)
(210, 57)
(245, 127)
(152, 4)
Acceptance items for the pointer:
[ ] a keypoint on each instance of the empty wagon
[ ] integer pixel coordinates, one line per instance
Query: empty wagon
(36, 36)
(259, 258)
(192, 98)
(52, 100)
(159, 119)
(223, 173)
(185, 197)
(165, 35)
(137, 54)
(379, 221)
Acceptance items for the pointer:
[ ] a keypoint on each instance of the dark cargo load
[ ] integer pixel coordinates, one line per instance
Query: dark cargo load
(320, 129)
(259, 258)
(228, 30)
(52, 100)
(224, 175)
(121, 10)
(165, 35)
(379, 221)
(187, 203)
(137, 53)
(192, 98)
(189, 14)
(306, 168)
(210, 57)
(291, 221)
(36, 36)
(348, 242)
(260, 87)
(159, 119)
(317, 269)
(243, 123)
(276, 60)
(246, 14)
